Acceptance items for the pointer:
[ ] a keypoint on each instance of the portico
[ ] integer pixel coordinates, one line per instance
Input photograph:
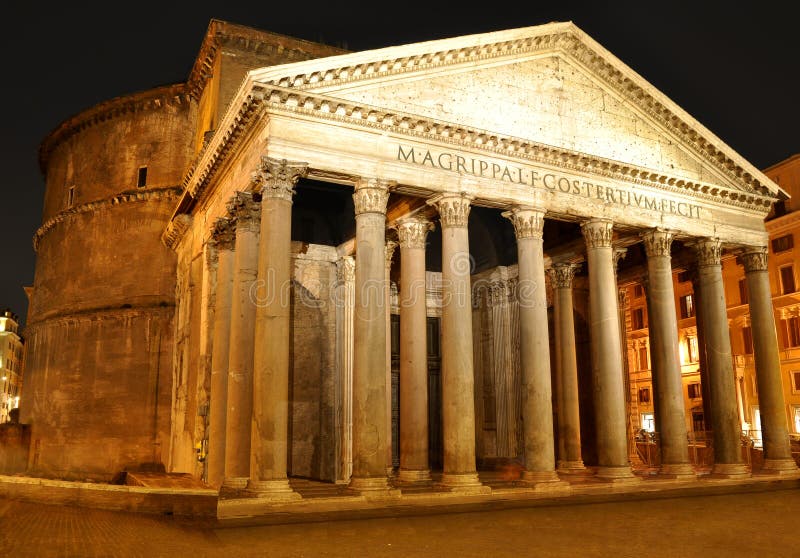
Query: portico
(587, 161)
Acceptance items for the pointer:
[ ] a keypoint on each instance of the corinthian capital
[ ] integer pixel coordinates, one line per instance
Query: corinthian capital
(246, 210)
(371, 196)
(598, 233)
(453, 209)
(708, 251)
(528, 221)
(561, 275)
(223, 233)
(657, 243)
(755, 258)
(275, 178)
(412, 231)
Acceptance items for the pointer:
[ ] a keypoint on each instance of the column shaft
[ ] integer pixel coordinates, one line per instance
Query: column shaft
(663, 324)
(458, 397)
(612, 447)
(726, 430)
(569, 427)
(269, 430)
(774, 425)
(222, 242)
(537, 407)
(242, 342)
(414, 465)
(371, 434)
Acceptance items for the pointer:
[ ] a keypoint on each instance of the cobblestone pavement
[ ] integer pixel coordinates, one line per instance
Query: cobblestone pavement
(732, 525)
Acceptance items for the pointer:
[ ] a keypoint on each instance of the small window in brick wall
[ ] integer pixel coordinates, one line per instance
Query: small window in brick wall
(141, 181)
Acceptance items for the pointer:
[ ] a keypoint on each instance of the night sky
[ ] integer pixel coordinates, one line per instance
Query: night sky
(736, 70)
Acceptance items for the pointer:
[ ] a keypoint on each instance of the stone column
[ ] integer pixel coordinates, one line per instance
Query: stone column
(391, 245)
(728, 462)
(370, 415)
(663, 325)
(414, 465)
(609, 399)
(774, 426)
(269, 437)
(346, 275)
(245, 212)
(569, 425)
(458, 396)
(222, 246)
(537, 407)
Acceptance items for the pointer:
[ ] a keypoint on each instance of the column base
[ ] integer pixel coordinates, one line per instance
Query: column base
(277, 490)
(542, 481)
(782, 467)
(464, 483)
(571, 467)
(233, 485)
(616, 474)
(373, 487)
(730, 471)
(677, 471)
(413, 475)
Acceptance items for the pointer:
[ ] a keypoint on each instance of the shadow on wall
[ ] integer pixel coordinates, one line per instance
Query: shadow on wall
(15, 443)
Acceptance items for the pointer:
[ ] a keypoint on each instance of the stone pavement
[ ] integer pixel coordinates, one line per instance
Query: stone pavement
(758, 520)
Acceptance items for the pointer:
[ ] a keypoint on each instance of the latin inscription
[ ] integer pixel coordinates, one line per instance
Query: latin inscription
(546, 180)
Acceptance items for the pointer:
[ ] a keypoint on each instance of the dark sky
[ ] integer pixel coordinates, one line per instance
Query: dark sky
(735, 69)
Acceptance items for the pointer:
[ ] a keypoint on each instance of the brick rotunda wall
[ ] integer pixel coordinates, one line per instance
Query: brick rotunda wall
(99, 332)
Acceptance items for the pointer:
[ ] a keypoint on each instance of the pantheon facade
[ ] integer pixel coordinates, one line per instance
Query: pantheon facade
(387, 268)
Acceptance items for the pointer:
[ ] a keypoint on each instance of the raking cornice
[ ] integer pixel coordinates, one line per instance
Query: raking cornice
(566, 38)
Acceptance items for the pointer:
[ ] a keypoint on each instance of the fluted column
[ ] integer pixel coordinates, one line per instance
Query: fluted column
(220, 258)
(663, 325)
(346, 275)
(567, 394)
(391, 245)
(246, 213)
(537, 407)
(774, 426)
(275, 179)
(458, 397)
(724, 417)
(370, 429)
(414, 465)
(609, 399)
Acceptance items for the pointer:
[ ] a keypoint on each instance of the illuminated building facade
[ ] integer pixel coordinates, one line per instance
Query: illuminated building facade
(383, 267)
(782, 226)
(11, 358)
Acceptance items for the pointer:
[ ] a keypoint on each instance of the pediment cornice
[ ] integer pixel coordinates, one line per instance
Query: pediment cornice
(561, 38)
(283, 99)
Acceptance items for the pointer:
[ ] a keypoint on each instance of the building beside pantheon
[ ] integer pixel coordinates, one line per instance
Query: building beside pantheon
(382, 267)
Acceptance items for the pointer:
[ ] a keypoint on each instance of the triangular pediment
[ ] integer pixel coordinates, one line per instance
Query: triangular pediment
(550, 85)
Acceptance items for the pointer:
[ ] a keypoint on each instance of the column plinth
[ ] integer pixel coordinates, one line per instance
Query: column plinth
(414, 464)
(774, 425)
(458, 403)
(713, 314)
(537, 408)
(245, 214)
(269, 428)
(371, 432)
(609, 398)
(663, 325)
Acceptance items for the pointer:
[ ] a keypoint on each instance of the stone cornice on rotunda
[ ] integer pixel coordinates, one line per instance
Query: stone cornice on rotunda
(152, 99)
(307, 90)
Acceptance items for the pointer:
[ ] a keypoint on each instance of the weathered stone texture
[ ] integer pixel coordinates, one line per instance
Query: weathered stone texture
(312, 373)
(97, 398)
(103, 159)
